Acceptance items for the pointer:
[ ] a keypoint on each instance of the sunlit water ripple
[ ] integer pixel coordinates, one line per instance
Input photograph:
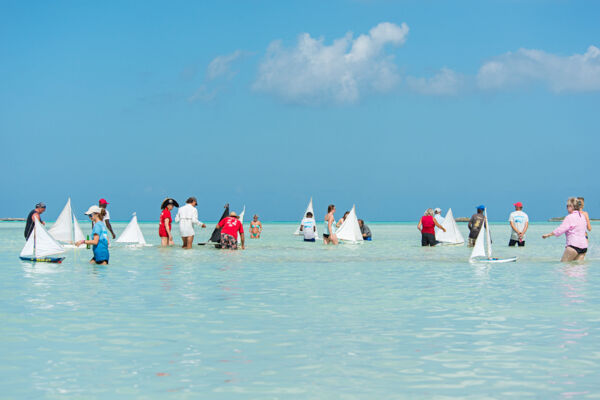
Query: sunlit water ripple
(287, 319)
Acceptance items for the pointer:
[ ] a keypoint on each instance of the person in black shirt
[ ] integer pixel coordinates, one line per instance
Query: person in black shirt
(33, 215)
(476, 222)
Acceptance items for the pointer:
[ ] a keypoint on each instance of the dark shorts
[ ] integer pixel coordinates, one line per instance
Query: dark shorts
(428, 239)
(99, 261)
(472, 242)
(326, 236)
(310, 240)
(513, 242)
(367, 238)
(578, 250)
(228, 242)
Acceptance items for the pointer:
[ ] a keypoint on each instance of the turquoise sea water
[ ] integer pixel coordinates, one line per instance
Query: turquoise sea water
(286, 319)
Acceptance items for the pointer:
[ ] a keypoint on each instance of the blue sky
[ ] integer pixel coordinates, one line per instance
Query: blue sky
(393, 105)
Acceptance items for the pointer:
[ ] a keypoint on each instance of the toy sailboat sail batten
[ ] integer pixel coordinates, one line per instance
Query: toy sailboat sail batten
(452, 234)
(40, 245)
(349, 231)
(66, 229)
(309, 208)
(480, 253)
(132, 233)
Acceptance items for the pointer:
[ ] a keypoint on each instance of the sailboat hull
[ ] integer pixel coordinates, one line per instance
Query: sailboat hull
(493, 260)
(57, 260)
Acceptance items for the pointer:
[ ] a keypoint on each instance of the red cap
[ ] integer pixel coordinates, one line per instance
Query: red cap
(103, 201)
(518, 204)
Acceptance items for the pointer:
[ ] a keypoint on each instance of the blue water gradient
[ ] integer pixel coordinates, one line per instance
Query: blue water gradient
(286, 319)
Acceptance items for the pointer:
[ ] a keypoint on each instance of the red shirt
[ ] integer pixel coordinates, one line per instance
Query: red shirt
(428, 224)
(231, 226)
(162, 231)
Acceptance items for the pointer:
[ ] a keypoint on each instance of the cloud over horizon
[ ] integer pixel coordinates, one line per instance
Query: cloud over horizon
(444, 83)
(314, 72)
(575, 73)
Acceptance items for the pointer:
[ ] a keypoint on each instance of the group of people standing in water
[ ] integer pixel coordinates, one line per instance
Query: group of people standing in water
(575, 227)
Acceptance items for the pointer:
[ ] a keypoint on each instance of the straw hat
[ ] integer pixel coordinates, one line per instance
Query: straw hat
(233, 214)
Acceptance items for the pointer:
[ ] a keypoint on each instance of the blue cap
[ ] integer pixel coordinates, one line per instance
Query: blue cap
(481, 207)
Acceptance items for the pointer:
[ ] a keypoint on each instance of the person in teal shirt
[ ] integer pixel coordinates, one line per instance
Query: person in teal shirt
(99, 236)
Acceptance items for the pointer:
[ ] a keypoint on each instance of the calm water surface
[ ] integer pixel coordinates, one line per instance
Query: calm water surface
(292, 320)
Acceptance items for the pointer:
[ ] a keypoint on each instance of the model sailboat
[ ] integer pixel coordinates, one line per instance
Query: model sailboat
(215, 238)
(452, 234)
(349, 231)
(40, 245)
(309, 208)
(66, 229)
(133, 234)
(479, 253)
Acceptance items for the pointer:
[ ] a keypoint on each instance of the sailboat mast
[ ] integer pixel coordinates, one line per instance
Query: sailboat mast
(34, 239)
(488, 237)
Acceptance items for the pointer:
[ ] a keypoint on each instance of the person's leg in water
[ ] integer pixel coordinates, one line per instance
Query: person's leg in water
(570, 254)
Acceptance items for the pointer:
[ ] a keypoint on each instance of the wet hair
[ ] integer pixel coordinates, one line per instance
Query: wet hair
(309, 214)
(346, 214)
(429, 211)
(575, 203)
(190, 200)
(330, 208)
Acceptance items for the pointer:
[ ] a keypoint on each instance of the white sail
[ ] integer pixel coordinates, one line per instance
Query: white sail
(452, 234)
(309, 208)
(350, 230)
(242, 221)
(488, 238)
(132, 233)
(40, 243)
(479, 248)
(62, 229)
(77, 232)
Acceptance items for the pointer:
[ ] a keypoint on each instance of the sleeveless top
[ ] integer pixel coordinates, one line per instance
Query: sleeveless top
(327, 227)
(29, 224)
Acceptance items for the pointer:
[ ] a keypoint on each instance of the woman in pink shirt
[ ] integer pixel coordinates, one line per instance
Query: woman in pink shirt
(574, 227)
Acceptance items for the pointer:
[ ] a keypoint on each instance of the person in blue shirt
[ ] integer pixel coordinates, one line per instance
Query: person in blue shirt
(99, 236)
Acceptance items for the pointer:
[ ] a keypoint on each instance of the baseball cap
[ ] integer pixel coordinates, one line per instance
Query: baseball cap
(518, 204)
(40, 205)
(93, 210)
(103, 201)
(481, 207)
(438, 210)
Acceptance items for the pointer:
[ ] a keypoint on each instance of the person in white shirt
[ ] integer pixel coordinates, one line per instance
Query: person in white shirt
(519, 222)
(187, 217)
(437, 214)
(308, 227)
(102, 203)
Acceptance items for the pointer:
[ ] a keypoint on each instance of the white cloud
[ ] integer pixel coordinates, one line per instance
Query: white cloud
(445, 83)
(315, 72)
(220, 65)
(575, 73)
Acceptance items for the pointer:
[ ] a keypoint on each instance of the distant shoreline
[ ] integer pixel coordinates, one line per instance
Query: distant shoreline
(12, 219)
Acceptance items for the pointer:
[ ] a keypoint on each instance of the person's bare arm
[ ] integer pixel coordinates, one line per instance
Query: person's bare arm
(109, 227)
(420, 225)
(514, 227)
(168, 229)
(587, 219)
(525, 229)
(243, 240)
(94, 241)
(438, 225)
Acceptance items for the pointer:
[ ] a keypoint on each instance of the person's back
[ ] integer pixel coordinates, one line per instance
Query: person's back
(518, 220)
(476, 222)
(365, 232)
(308, 228)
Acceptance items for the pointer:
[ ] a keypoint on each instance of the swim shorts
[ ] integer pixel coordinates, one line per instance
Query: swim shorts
(512, 242)
(428, 239)
(228, 242)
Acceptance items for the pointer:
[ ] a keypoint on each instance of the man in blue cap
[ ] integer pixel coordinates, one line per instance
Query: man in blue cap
(475, 224)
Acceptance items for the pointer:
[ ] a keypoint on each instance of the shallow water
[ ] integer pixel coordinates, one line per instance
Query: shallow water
(286, 319)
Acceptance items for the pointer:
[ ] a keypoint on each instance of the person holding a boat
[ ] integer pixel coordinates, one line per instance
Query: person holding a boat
(426, 226)
(99, 236)
(230, 227)
(33, 215)
(574, 227)
(364, 230)
(476, 222)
